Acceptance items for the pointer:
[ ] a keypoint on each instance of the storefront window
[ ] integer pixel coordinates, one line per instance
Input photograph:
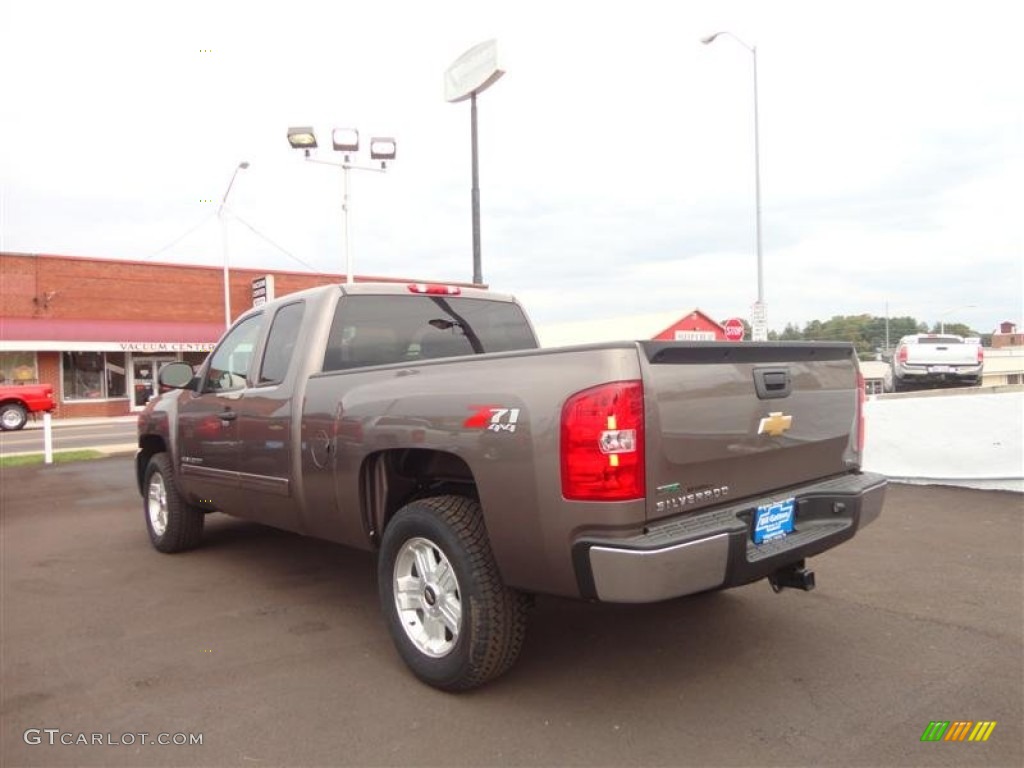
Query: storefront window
(18, 368)
(94, 375)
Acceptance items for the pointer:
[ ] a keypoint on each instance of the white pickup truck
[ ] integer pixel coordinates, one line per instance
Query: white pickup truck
(934, 359)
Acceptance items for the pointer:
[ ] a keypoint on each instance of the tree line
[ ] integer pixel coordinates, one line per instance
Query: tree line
(867, 332)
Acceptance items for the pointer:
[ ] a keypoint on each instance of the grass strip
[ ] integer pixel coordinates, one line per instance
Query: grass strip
(59, 457)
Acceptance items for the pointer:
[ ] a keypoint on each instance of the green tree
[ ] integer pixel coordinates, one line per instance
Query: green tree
(791, 333)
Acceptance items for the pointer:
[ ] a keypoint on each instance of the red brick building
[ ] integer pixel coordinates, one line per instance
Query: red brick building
(1007, 336)
(98, 330)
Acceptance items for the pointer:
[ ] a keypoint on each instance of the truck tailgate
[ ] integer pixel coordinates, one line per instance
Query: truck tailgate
(952, 352)
(726, 421)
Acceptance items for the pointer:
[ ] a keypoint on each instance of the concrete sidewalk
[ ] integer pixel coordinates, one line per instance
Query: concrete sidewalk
(81, 421)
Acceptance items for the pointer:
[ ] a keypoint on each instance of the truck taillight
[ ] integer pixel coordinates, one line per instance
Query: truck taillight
(602, 448)
(860, 412)
(435, 289)
(981, 355)
(902, 354)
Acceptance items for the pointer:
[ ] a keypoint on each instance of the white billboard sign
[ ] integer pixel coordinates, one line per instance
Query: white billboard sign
(473, 72)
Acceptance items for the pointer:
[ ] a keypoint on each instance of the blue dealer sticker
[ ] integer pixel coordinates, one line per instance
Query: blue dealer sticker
(773, 521)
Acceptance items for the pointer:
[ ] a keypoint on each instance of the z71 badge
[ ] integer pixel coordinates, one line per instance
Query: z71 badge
(493, 418)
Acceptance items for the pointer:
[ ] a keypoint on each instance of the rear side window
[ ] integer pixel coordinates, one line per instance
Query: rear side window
(284, 332)
(378, 330)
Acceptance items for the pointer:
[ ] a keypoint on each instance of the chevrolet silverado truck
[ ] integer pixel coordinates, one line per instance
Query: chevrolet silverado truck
(424, 423)
(19, 400)
(932, 360)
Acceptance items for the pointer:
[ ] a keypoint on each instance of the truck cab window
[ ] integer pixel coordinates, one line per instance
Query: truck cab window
(378, 330)
(284, 331)
(229, 365)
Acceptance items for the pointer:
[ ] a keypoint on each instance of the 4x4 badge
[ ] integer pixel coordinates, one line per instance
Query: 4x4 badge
(774, 424)
(493, 418)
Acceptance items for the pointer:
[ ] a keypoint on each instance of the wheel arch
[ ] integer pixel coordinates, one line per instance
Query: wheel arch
(390, 479)
(149, 446)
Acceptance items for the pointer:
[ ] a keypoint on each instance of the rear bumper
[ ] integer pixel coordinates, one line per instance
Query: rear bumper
(923, 374)
(715, 549)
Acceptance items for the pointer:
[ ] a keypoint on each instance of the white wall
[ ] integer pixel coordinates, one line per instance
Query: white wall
(973, 439)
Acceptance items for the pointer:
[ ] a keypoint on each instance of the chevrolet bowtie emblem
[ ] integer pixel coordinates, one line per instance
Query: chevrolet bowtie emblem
(774, 424)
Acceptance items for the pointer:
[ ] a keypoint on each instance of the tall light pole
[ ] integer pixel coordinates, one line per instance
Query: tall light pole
(942, 321)
(472, 73)
(759, 324)
(346, 141)
(224, 240)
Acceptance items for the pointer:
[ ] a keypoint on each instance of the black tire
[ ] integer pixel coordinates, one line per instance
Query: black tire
(492, 617)
(12, 416)
(173, 525)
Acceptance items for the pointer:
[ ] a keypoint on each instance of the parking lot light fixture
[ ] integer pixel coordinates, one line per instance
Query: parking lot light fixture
(302, 138)
(346, 141)
(383, 148)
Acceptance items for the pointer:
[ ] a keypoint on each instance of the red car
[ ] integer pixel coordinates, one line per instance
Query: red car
(18, 401)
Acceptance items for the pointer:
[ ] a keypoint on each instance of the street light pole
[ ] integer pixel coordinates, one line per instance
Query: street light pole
(759, 330)
(942, 321)
(224, 242)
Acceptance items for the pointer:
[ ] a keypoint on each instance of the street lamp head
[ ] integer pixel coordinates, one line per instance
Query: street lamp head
(383, 148)
(345, 139)
(302, 138)
(711, 38)
(244, 164)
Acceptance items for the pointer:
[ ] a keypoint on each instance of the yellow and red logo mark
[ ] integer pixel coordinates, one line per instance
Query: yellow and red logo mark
(958, 730)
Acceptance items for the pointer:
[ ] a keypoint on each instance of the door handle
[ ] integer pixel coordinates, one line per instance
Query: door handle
(227, 415)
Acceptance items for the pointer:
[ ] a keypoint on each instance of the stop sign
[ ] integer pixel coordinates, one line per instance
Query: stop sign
(733, 329)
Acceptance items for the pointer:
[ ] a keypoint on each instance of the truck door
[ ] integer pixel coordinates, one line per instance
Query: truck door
(265, 426)
(208, 429)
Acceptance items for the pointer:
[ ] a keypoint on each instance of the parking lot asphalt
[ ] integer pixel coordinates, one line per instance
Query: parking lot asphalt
(271, 647)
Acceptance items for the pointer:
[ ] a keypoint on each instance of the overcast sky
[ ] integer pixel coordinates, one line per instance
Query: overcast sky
(617, 166)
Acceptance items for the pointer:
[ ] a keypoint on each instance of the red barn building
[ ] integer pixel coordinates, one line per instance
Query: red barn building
(695, 326)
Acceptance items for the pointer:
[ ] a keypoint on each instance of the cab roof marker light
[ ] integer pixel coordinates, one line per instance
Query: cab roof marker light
(434, 289)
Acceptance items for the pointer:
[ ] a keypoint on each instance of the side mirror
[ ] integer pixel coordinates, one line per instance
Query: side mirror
(176, 375)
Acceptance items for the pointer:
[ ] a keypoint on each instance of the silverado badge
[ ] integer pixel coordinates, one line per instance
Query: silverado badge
(774, 424)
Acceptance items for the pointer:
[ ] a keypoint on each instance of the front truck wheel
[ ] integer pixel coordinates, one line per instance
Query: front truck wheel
(173, 524)
(453, 621)
(12, 416)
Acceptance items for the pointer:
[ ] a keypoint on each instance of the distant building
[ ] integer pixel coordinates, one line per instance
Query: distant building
(695, 326)
(99, 330)
(1007, 336)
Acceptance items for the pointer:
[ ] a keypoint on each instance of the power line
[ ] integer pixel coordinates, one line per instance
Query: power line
(179, 239)
(285, 251)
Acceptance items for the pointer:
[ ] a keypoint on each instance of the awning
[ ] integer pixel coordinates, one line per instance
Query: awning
(36, 334)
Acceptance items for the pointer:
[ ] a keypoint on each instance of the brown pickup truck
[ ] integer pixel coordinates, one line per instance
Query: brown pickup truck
(423, 422)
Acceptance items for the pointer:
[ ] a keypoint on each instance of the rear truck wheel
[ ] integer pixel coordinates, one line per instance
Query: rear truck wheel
(173, 525)
(12, 416)
(453, 621)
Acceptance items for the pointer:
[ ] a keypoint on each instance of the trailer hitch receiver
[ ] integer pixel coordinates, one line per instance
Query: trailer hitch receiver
(794, 576)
